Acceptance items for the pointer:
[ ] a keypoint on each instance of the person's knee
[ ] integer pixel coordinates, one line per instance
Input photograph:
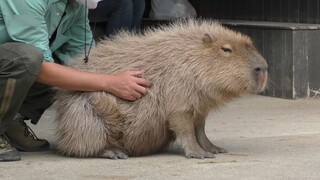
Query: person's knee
(28, 57)
(124, 4)
(113, 5)
(32, 57)
(140, 3)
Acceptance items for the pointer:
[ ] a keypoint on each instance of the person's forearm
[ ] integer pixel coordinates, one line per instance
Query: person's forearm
(128, 85)
(65, 77)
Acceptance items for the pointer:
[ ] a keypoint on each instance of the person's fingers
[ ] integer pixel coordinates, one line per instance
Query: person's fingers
(139, 78)
(142, 82)
(138, 74)
(141, 89)
(130, 98)
(136, 95)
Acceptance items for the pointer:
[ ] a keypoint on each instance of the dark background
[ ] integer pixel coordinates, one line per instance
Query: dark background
(294, 11)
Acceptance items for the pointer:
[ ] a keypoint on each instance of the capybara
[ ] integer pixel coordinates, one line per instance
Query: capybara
(195, 66)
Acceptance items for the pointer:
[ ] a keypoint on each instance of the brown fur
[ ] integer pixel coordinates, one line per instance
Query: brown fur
(194, 66)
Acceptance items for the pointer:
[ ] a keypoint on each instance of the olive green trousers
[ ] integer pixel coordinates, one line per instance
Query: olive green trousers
(19, 93)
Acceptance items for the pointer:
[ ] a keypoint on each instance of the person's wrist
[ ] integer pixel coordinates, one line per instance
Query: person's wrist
(107, 82)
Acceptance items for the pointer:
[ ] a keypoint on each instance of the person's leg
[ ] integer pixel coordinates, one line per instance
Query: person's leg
(19, 135)
(19, 66)
(119, 15)
(39, 98)
(138, 11)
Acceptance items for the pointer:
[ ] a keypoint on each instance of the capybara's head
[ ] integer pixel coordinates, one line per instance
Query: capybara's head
(229, 61)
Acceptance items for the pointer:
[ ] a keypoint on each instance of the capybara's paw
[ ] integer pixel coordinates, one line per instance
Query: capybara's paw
(199, 155)
(113, 154)
(217, 150)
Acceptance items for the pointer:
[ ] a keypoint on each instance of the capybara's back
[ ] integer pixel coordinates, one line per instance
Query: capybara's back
(194, 67)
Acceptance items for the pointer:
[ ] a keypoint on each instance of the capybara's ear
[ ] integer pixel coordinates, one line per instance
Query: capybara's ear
(207, 39)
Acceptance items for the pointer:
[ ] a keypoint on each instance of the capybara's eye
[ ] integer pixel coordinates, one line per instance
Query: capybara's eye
(227, 48)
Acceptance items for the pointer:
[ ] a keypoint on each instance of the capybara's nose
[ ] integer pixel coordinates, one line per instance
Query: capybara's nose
(260, 69)
(260, 66)
(261, 73)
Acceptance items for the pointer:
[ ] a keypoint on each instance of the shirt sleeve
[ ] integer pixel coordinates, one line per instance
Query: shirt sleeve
(81, 38)
(25, 22)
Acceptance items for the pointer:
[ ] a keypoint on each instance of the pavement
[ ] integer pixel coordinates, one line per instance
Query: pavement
(267, 138)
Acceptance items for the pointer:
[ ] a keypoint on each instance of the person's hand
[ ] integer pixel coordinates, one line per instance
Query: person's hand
(128, 85)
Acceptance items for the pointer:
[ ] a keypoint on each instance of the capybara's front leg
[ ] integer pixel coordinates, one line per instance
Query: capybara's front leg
(203, 140)
(185, 132)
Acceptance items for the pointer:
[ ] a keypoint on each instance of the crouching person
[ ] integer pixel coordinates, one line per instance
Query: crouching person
(37, 40)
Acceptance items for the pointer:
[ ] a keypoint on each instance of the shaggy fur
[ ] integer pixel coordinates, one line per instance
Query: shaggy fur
(195, 66)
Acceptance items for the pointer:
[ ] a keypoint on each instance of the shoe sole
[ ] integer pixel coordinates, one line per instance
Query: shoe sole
(10, 156)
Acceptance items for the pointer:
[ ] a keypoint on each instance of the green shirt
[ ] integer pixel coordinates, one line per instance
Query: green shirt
(34, 22)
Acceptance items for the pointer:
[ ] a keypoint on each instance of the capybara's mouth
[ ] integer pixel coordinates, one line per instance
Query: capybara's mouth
(262, 79)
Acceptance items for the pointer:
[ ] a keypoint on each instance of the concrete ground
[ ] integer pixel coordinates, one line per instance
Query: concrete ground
(267, 138)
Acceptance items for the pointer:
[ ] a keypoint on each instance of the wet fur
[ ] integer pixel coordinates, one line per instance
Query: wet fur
(192, 73)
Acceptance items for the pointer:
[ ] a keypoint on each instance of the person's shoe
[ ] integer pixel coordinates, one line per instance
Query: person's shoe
(7, 152)
(20, 136)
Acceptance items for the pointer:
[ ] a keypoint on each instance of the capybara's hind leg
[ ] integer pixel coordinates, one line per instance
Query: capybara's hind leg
(81, 131)
(185, 132)
(204, 141)
(113, 154)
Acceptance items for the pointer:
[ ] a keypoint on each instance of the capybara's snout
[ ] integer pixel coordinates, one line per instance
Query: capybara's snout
(260, 71)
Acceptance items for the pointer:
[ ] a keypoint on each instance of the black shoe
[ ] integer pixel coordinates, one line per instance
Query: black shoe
(20, 136)
(7, 152)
